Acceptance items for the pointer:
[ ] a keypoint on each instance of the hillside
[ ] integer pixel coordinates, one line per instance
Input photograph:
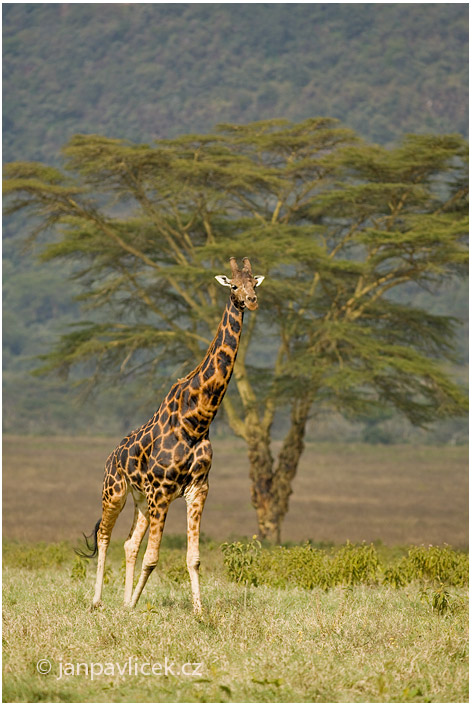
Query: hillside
(143, 71)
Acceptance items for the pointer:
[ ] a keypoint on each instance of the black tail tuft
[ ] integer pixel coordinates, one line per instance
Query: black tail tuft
(93, 548)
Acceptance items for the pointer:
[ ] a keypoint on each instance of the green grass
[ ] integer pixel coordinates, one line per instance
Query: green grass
(352, 643)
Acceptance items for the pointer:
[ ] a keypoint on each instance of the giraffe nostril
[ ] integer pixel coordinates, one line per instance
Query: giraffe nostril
(252, 299)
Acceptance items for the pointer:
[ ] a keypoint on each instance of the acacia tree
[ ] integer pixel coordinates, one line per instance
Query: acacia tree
(336, 226)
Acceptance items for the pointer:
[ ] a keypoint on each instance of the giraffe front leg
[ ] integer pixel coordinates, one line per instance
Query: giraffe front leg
(157, 518)
(195, 504)
(132, 544)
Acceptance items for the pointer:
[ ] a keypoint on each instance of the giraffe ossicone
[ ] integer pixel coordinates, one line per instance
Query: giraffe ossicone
(170, 455)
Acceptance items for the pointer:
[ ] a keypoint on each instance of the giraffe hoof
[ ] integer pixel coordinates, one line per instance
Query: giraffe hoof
(95, 606)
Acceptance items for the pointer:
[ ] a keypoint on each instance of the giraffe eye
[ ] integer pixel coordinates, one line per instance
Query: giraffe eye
(233, 286)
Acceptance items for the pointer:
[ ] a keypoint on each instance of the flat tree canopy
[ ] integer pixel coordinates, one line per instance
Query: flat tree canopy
(338, 228)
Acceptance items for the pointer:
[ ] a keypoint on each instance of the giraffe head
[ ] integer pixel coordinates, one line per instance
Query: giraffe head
(242, 283)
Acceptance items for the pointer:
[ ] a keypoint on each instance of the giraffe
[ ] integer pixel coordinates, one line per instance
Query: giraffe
(170, 455)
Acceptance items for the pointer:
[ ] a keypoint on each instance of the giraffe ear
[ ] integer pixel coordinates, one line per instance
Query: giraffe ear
(222, 279)
(259, 279)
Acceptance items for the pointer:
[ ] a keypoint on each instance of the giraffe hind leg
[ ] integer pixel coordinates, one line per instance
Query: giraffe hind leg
(151, 556)
(132, 544)
(195, 504)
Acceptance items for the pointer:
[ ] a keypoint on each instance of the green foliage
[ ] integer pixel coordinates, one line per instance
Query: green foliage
(341, 230)
(441, 601)
(303, 566)
(336, 225)
(240, 560)
(437, 564)
(174, 567)
(355, 564)
(395, 576)
(440, 564)
(308, 567)
(79, 569)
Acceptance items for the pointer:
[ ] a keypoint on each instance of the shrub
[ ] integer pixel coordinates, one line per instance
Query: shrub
(241, 561)
(442, 564)
(307, 567)
(302, 566)
(395, 576)
(355, 564)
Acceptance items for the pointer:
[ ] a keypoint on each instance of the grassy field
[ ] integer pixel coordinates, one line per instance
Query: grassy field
(273, 642)
(398, 494)
(366, 643)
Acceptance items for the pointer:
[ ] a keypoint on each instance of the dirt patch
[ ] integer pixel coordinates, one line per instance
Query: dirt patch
(399, 494)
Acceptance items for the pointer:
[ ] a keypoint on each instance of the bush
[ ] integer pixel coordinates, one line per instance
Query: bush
(302, 566)
(355, 564)
(241, 561)
(441, 564)
(307, 567)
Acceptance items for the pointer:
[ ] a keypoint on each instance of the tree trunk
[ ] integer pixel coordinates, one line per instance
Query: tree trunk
(271, 484)
(261, 473)
(289, 455)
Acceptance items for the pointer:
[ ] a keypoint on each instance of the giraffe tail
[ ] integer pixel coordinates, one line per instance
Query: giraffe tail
(91, 546)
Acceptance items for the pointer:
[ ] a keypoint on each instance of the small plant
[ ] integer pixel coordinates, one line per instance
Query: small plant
(79, 569)
(176, 571)
(241, 560)
(441, 600)
(108, 574)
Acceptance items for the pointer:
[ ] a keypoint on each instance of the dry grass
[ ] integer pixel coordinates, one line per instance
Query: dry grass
(264, 644)
(363, 644)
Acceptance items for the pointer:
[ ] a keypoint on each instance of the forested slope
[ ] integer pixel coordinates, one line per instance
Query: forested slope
(143, 71)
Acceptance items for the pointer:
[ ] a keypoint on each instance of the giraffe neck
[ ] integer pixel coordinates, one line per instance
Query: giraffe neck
(203, 389)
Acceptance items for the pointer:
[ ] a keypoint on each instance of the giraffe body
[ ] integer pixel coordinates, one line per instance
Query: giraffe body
(170, 455)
